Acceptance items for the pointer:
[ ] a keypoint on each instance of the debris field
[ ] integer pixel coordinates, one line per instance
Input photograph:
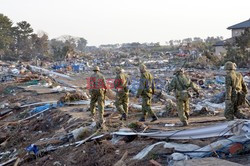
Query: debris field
(45, 120)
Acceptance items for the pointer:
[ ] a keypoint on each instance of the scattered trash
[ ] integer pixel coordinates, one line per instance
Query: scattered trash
(205, 161)
(15, 71)
(218, 98)
(45, 108)
(247, 79)
(62, 89)
(223, 129)
(222, 147)
(210, 107)
(138, 107)
(47, 72)
(169, 125)
(175, 146)
(39, 103)
(133, 87)
(50, 104)
(137, 126)
(220, 79)
(81, 132)
(57, 163)
(171, 109)
(179, 156)
(75, 96)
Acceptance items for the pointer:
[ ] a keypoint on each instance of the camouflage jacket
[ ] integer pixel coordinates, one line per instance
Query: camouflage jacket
(234, 83)
(97, 82)
(147, 84)
(121, 82)
(181, 83)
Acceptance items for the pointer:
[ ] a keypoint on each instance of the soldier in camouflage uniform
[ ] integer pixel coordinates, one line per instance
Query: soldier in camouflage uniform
(97, 91)
(146, 90)
(236, 91)
(120, 84)
(180, 84)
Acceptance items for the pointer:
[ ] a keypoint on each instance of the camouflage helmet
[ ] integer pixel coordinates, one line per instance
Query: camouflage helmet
(118, 69)
(230, 66)
(178, 70)
(96, 68)
(142, 67)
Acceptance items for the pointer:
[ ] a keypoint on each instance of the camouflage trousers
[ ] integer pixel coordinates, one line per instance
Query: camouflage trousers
(97, 97)
(231, 111)
(183, 109)
(121, 102)
(146, 106)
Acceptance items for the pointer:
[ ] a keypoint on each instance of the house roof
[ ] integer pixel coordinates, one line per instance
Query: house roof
(244, 24)
(224, 42)
(219, 43)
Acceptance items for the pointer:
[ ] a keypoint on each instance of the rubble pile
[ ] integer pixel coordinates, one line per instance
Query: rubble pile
(45, 117)
(75, 96)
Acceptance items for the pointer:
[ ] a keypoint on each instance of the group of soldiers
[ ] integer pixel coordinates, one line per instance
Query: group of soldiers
(236, 91)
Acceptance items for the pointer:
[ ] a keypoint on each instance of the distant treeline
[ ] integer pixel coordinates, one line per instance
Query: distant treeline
(19, 42)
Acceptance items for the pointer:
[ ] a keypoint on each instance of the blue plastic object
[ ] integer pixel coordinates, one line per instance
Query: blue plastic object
(134, 87)
(40, 108)
(76, 68)
(220, 79)
(56, 67)
(32, 148)
(45, 107)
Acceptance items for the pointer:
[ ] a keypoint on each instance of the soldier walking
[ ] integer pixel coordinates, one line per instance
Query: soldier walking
(122, 93)
(97, 91)
(236, 91)
(180, 84)
(146, 91)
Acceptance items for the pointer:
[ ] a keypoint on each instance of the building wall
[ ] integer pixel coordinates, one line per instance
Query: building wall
(237, 32)
(220, 50)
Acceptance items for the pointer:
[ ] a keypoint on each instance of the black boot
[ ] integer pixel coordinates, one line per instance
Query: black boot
(123, 117)
(142, 119)
(154, 118)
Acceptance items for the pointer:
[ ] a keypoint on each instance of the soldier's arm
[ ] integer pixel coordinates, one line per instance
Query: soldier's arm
(172, 85)
(117, 81)
(153, 85)
(104, 83)
(141, 86)
(91, 83)
(194, 86)
(126, 83)
(128, 80)
(228, 84)
(244, 87)
(191, 84)
(123, 80)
